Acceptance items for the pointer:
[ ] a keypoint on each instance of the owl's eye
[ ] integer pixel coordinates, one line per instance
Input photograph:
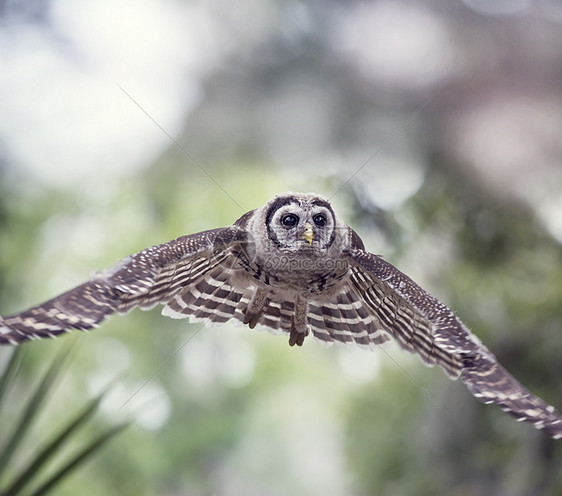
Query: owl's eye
(289, 220)
(319, 220)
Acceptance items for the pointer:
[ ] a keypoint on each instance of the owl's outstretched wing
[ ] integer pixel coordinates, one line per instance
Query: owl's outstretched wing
(421, 324)
(144, 279)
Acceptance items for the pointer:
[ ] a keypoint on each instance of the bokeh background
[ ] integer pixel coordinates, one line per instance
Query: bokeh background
(436, 130)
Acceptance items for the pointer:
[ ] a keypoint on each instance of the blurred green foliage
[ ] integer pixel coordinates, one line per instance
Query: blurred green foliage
(226, 410)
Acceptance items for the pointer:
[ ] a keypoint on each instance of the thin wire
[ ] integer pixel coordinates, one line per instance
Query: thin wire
(162, 365)
(414, 381)
(426, 102)
(185, 152)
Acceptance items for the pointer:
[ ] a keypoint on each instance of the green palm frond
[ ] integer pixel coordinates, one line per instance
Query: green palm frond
(30, 473)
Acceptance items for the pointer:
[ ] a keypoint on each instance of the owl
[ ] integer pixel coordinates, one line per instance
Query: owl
(292, 267)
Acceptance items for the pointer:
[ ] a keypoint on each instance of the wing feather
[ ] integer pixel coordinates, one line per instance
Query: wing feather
(144, 279)
(210, 297)
(422, 324)
(346, 320)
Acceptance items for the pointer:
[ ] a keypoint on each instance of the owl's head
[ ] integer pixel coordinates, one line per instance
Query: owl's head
(301, 222)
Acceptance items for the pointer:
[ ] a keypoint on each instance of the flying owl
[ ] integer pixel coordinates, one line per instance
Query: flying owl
(291, 266)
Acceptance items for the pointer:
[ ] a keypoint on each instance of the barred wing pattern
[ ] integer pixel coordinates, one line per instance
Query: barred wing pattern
(421, 324)
(198, 277)
(214, 300)
(346, 319)
(146, 278)
(211, 298)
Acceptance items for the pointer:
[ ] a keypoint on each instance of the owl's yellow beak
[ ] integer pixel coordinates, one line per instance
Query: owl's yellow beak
(308, 233)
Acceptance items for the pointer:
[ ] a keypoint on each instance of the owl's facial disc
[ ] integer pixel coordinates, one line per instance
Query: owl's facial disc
(295, 225)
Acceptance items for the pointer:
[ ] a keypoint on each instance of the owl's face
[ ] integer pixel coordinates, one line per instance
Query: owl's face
(300, 223)
(296, 238)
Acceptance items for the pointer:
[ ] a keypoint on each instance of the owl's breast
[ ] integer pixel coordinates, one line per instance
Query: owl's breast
(308, 273)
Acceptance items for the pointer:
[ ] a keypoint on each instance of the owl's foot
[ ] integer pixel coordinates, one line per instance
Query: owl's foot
(299, 328)
(251, 318)
(255, 307)
(296, 337)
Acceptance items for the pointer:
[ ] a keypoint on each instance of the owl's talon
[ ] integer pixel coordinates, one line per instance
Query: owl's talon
(297, 336)
(293, 338)
(251, 319)
(254, 310)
